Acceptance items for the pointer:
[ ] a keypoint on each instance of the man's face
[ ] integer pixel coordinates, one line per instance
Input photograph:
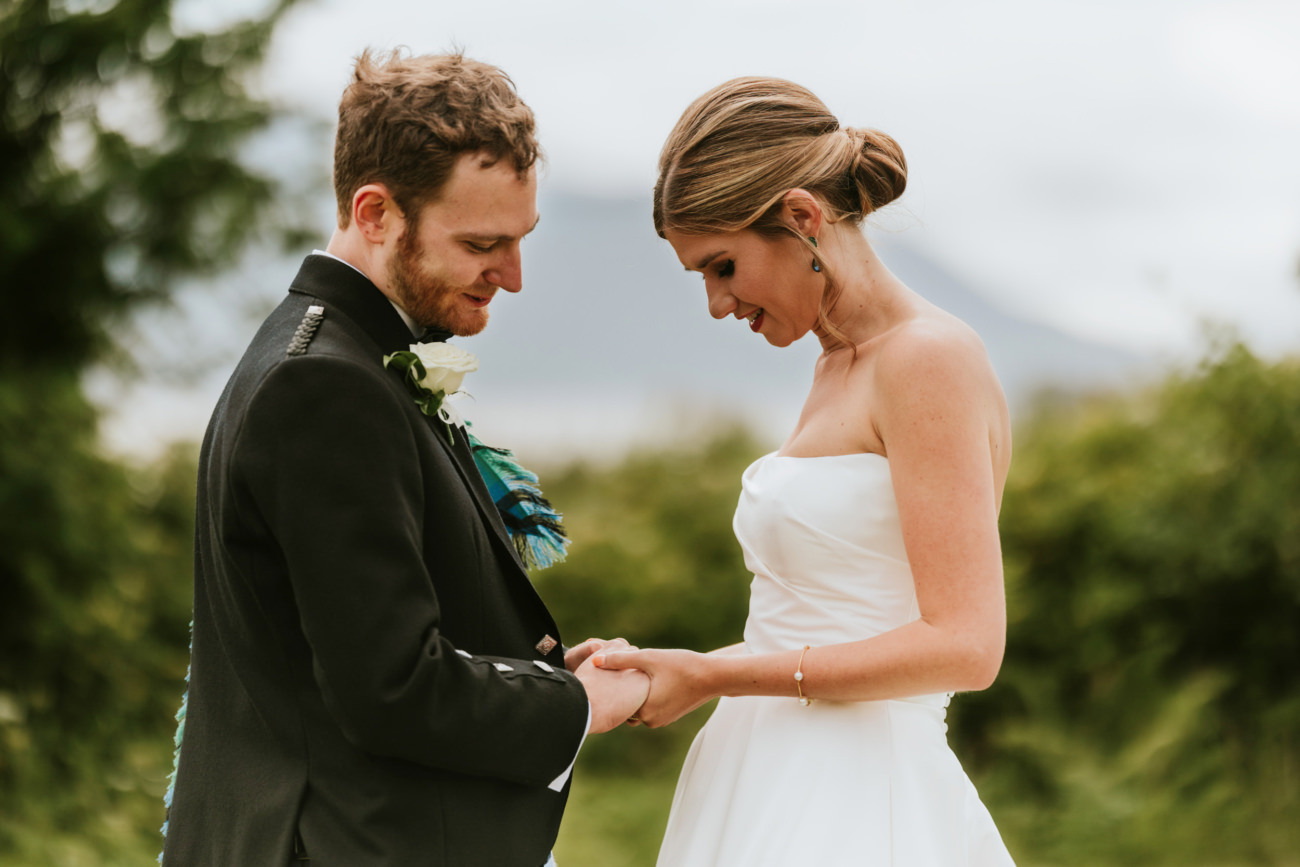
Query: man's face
(445, 270)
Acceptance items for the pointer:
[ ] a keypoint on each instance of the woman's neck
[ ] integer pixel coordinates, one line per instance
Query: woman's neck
(871, 299)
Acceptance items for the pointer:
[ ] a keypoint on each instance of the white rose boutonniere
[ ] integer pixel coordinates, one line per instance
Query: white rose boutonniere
(445, 365)
(432, 371)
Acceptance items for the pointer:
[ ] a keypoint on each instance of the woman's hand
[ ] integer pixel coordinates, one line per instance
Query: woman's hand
(680, 681)
(574, 657)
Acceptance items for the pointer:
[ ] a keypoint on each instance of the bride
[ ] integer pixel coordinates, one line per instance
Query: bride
(872, 533)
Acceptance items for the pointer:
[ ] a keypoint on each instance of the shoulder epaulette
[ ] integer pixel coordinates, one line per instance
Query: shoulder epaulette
(306, 330)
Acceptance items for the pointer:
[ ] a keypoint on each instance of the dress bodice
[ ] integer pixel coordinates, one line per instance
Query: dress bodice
(771, 782)
(823, 538)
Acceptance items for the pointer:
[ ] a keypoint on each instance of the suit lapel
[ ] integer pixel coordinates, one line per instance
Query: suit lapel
(352, 293)
(463, 457)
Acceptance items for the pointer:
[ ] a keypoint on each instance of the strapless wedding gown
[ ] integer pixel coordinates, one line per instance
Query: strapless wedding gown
(771, 783)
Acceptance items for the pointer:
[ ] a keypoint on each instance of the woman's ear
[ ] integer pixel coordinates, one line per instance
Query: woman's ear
(801, 210)
(375, 213)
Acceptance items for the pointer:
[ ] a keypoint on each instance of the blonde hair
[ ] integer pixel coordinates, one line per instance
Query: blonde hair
(738, 149)
(404, 122)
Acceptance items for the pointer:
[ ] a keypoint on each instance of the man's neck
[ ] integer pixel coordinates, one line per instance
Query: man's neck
(414, 327)
(417, 330)
(348, 246)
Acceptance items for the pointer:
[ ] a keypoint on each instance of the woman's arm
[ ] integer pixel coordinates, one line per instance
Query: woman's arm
(940, 412)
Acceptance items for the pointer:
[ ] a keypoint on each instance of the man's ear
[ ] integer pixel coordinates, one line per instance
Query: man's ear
(375, 213)
(801, 210)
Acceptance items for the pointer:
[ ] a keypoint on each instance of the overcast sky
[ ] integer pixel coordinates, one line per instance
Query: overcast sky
(1121, 169)
(1124, 171)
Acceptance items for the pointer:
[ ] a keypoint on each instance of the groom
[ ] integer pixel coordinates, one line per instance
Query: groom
(374, 681)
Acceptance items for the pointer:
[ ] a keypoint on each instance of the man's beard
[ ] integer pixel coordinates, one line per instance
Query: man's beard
(426, 297)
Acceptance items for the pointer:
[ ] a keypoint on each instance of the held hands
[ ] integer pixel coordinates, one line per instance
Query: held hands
(577, 655)
(614, 695)
(679, 680)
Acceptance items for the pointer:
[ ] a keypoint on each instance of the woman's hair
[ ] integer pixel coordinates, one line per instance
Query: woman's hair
(738, 149)
(404, 122)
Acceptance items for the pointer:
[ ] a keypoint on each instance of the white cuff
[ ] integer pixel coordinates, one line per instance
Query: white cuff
(558, 783)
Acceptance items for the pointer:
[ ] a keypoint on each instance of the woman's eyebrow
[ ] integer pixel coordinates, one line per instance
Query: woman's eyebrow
(706, 260)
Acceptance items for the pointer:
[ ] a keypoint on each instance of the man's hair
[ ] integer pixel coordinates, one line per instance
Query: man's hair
(404, 122)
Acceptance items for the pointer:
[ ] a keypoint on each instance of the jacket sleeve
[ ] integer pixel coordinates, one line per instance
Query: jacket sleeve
(328, 458)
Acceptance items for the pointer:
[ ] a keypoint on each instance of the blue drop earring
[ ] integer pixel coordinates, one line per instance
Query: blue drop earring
(816, 265)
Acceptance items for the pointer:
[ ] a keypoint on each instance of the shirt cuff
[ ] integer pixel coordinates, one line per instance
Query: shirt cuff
(557, 784)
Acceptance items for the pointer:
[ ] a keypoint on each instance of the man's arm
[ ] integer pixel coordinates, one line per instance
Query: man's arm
(329, 460)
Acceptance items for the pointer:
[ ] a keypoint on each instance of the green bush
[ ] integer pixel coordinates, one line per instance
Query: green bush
(1148, 711)
(95, 595)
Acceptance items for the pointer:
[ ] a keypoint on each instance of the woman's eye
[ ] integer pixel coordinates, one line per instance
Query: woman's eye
(726, 269)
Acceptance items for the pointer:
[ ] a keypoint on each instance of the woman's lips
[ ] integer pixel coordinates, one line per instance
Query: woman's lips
(756, 321)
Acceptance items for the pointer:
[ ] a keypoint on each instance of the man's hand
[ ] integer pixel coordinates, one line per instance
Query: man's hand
(614, 695)
(576, 656)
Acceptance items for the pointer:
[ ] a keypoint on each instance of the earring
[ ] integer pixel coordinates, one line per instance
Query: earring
(816, 265)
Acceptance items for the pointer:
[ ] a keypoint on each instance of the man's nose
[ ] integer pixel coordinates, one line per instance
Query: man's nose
(508, 273)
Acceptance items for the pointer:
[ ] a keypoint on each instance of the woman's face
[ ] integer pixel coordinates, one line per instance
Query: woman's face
(767, 281)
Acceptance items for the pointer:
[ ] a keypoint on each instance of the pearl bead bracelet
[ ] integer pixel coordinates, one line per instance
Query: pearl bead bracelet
(798, 677)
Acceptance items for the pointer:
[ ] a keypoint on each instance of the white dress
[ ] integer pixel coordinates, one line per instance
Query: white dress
(771, 782)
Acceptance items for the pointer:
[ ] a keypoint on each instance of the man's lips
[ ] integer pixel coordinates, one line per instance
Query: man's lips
(479, 300)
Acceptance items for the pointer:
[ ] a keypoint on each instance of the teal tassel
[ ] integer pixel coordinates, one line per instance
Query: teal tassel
(176, 741)
(536, 529)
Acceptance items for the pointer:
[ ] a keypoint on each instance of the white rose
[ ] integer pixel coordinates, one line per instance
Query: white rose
(445, 366)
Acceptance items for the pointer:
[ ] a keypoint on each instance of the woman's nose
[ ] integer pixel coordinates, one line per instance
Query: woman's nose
(721, 303)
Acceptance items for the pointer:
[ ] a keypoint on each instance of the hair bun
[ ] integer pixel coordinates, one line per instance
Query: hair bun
(878, 168)
(739, 148)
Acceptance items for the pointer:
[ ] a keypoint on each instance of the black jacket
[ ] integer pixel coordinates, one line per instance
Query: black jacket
(365, 668)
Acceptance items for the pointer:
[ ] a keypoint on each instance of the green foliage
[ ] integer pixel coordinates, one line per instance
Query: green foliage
(119, 165)
(616, 821)
(94, 598)
(120, 172)
(1152, 544)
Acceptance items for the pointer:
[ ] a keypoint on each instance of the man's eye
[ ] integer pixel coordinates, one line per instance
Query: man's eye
(479, 248)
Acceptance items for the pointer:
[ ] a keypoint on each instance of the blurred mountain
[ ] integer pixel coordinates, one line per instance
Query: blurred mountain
(609, 344)
(610, 325)
(1028, 356)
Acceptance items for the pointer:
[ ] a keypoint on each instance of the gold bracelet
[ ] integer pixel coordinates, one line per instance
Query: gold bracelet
(798, 677)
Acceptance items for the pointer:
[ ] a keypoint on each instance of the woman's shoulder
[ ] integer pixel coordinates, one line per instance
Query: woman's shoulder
(932, 342)
(934, 365)
(934, 383)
